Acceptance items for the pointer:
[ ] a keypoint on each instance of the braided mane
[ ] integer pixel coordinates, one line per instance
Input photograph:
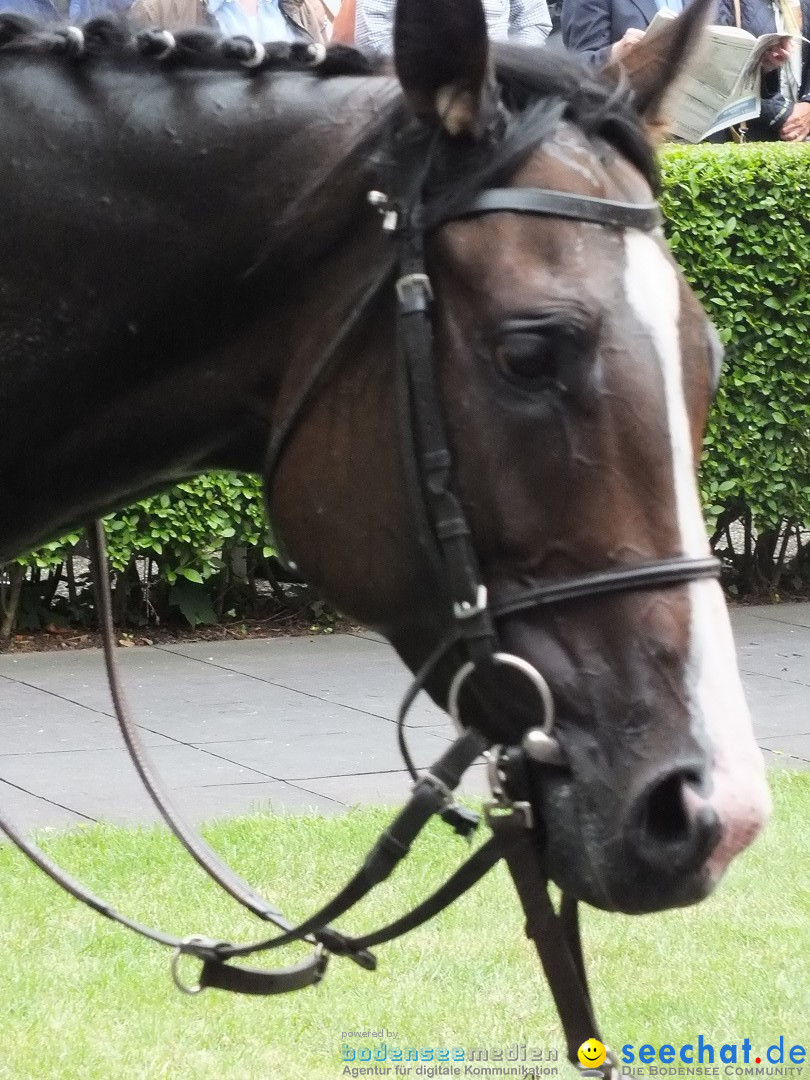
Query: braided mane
(193, 47)
(538, 86)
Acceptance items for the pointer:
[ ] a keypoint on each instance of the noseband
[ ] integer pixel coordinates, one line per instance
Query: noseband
(472, 619)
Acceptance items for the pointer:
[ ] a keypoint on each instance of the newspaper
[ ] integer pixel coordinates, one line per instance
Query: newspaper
(721, 86)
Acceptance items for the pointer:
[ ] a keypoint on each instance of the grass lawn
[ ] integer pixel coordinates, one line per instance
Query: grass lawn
(81, 999)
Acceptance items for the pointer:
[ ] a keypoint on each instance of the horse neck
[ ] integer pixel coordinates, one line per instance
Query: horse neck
(145, 330)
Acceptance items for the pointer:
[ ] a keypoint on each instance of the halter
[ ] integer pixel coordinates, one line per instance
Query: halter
(472, 618)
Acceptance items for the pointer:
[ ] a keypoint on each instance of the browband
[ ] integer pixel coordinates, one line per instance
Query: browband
(560, 204)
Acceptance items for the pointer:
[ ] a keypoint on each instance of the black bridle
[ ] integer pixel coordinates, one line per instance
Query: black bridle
(474, 614)
(472, 618)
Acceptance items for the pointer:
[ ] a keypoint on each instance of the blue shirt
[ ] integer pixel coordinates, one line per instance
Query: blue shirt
(80, 11)
(42, 10)
(526, 21)
(268, 24)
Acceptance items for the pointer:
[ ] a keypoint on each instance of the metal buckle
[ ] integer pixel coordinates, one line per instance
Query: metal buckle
(186, 948)
(390, 214)
(500, 801)
(542, 747)
(433, 781)
(463, 609)
(414, 291)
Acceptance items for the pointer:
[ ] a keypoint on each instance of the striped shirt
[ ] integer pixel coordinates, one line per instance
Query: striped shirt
(526, 21)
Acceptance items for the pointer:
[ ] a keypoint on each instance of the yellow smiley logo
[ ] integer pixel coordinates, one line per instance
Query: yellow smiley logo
(592, 1054)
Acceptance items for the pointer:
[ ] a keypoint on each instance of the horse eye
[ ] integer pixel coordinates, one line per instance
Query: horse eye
(528, 359)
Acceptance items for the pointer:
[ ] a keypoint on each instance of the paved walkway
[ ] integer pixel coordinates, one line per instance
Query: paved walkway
(290, 723)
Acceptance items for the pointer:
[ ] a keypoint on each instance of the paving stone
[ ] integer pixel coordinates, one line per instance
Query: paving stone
(386, 789)
(365, 748)
(33, 722)
(797, 746)
(777, 707)
(231, 721)
(344, 669)
(783, 654)
(213, 801)
(776, 759)
(791, 614)
(103, 784)
(29, 812)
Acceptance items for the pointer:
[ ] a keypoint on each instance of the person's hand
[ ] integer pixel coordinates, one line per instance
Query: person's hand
(797, 126)
(776, 56)
(619, 49)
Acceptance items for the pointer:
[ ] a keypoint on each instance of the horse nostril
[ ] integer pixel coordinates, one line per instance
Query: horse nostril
(675, 825)
(665, 814)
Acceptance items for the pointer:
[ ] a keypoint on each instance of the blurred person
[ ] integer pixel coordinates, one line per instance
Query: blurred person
(785, 83)
(41, 10)
(262, 20)
(62, 11)
(601, 31)
(343, 26)
(525, 21)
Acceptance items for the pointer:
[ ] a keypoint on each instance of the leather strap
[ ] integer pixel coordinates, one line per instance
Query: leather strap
(653, 575)
(469, 874)
(430, 794)
(544, 928)
(460, 572)
(250, 980)
(559, 204)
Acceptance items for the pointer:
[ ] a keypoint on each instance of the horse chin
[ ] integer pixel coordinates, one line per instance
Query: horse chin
(577, 858)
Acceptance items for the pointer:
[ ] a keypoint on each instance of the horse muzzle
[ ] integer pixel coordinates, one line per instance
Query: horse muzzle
(664, 844)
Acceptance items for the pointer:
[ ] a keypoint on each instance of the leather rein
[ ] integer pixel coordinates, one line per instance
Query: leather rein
(444, 535)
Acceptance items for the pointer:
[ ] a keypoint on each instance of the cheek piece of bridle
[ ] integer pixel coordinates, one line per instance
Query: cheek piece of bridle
(445, 538)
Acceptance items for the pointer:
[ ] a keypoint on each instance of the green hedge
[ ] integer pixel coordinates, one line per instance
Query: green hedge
(738, 225)
(194, 551)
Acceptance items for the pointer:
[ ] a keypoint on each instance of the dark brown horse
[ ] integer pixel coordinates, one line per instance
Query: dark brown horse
(183, 237)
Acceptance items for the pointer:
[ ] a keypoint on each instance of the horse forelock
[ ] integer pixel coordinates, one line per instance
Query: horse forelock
(540, 88)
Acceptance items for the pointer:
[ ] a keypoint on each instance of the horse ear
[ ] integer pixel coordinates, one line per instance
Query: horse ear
(441, 55)
(654, 64)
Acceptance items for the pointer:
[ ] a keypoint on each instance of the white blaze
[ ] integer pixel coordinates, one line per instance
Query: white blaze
(719, 713)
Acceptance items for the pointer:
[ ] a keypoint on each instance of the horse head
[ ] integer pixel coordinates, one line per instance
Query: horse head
(484, 407)
(575, 370)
